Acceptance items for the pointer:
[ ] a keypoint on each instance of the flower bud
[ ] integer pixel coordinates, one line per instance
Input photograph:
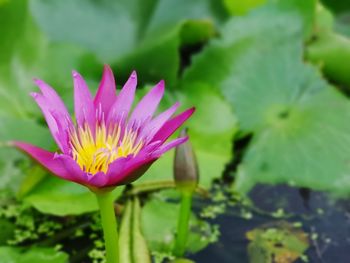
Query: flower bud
(186, 174)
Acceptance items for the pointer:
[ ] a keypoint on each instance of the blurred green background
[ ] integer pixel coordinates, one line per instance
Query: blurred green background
(274, 73)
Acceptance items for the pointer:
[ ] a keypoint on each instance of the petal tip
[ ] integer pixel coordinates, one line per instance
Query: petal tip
(34, 95)
(75, 74)
(40, 83)
(10, 143)
(161, 86)
(107, 70)
(133, 74)
(18, 144)
(37, 81)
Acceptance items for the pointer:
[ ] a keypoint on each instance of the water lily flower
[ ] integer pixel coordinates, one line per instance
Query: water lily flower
(108, 145)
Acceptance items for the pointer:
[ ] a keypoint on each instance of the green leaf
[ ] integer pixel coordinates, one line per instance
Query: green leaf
(12, 162)
(331, 52)
(17, 129)
(12, 14)
(159, 219)
(337, 6)
(305, 9)
(145, 35)
(58, 197)
(7, 231)
(296, 118)
(99, 27)
(38, 255)
(311, 143)
(324, 20)
(236, 7)
(34, 56)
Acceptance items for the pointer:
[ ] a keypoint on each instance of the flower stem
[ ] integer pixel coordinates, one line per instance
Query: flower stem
(183, 224)
(109, 224)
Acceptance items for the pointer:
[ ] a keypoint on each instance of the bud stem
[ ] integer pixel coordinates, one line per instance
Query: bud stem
(109, 224)
(183, 223)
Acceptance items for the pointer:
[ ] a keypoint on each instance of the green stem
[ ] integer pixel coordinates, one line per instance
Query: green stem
(109, 225)
(183, 224)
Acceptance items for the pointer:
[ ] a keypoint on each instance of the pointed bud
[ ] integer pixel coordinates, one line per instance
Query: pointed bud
(186, 174)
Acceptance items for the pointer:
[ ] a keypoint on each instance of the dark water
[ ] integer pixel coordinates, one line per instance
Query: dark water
(318, 213)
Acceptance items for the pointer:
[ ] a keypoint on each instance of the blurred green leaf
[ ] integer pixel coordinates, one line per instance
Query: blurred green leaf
(107, 28)
(11, 160)
(142, 35)
(58, 197)
(159, 219)
(7, 231)
(337, 6)
(302, 146)
(12, 14)
(298, 121)
(34, 56)
(324, 20)
(17, 129)
(328, 49)
(38, 255)
(237, 7)
(331, 52)
(305, 9)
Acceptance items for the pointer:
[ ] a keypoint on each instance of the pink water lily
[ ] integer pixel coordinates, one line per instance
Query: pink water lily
(107, 145)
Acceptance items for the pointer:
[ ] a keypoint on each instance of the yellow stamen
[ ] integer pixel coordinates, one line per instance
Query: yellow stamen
(95, 153)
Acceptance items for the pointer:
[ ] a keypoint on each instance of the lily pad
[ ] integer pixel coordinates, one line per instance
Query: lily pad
(279, 243)
(137, 31)
(38, 255)
(297, 119)
(58, 197)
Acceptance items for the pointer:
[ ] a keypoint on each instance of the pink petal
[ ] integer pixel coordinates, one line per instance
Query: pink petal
(154, 125)
(72, 169)
(106, 93)
(51, 162)
(52, 97)
(132, 167)
(116, 170)
(122, 105)
(57, 124)
(83, 104)
(136, 171)
(168, 146)
(98, 180)
(172, 125)
(148, 104)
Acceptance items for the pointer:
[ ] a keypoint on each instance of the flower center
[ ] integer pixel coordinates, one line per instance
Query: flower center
(95, 153)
